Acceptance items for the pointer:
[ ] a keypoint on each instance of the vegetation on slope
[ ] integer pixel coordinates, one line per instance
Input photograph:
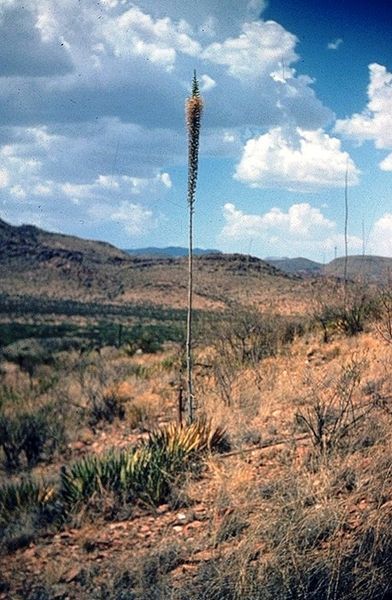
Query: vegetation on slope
(297, 506)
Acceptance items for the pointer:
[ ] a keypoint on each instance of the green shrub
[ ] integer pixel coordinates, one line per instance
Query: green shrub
(348, 314)
(30, 434)
(105, 408)
(145, 472)
(243, 339)
(231, 526)
(25, 507)
(349, 320)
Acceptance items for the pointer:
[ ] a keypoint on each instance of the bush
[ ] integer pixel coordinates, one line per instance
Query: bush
(384, 324)
(231, 526)
(352, 308)
(31, 434)
(32, 352)
(25, 506)
(145, 472)
(140, 415)
(348, 320)
(333, 412)
(106, 408)
(249, 336)
(243, 339)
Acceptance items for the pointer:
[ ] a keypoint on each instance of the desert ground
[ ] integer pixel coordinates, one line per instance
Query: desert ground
(280, 489)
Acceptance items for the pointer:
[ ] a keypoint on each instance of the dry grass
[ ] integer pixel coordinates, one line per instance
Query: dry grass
(285, 522)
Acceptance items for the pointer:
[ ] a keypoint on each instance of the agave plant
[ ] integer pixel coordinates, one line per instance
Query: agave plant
(144, 472)
(198, 436)
(25, 494)
(194, 109)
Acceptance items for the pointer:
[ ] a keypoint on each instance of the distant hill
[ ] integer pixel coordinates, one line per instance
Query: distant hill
(30, 242)
(296, 266)
(172, 251)
(39, 264)
(371, 268)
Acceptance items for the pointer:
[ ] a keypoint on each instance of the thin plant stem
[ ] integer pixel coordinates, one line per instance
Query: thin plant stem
(194, 108)
(189, 357)
(345, 234)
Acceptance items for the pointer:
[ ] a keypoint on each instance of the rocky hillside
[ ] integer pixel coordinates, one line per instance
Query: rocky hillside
(33, 261)
(38, 263)
(369, 268)
(28, 242)
(297, 266)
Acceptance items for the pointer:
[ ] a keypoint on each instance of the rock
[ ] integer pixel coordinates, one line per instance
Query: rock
(195, 525)
(78, 445)
(145, 529)
(72, 574)
(120, 525)
(182, 517)
(162, 509)
(60, 592)
(178, 528)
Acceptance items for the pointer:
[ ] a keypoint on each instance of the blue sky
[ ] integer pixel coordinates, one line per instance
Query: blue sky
(92, 135)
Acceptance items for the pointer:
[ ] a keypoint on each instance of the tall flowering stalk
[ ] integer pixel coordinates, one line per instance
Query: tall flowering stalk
(193, 111)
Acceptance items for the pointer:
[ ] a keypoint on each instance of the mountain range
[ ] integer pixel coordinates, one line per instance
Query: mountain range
(298, 266)
(34, 262)
(37, 263)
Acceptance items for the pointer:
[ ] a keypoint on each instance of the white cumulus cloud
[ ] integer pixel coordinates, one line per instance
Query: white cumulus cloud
(3, 178)
(300, 230)
(380, 238)
(375, 121)
(334, 45)
(158, 40)
(119, 184)
(135, 218)
(255, 7)
(18, 192)
(298, 161)
(261, 48)
(301, 219)
(386, 164)
(166, 180)
(43, 189)
(207, 83)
